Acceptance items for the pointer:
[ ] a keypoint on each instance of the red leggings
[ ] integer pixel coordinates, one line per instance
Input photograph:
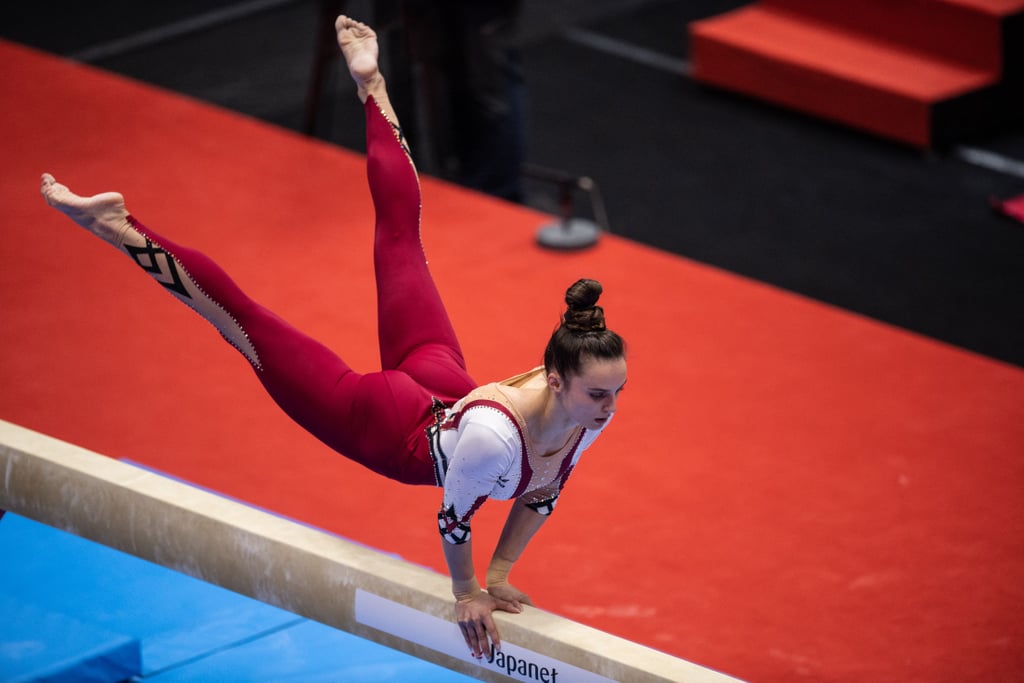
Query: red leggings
(376, 419)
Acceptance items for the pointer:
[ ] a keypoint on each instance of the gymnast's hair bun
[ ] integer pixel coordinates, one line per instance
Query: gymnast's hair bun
(583, 314)
(581, 336)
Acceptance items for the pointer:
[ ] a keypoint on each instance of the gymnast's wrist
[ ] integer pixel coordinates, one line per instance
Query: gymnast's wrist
(465, 589)
(498, 571)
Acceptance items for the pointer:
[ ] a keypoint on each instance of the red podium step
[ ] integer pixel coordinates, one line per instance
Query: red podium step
(908, 70)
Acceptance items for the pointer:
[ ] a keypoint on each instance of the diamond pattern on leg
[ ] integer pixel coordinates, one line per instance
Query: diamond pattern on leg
(160, 265)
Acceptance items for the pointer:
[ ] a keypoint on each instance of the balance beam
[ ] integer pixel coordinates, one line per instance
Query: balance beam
(302, 570)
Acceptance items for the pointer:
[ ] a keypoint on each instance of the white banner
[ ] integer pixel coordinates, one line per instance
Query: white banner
(444, 636)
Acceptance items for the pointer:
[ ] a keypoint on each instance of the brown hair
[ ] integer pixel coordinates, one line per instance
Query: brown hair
(582, 333)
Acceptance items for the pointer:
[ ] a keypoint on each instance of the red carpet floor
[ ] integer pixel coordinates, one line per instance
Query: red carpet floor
(789, 491)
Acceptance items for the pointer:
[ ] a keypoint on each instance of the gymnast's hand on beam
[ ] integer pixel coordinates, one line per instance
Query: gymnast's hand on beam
(476, 623)
(509, 593)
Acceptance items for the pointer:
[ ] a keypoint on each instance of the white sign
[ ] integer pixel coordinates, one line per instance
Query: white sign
(444, 636)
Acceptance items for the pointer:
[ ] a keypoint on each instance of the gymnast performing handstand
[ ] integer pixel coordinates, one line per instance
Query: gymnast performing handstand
(421, 419)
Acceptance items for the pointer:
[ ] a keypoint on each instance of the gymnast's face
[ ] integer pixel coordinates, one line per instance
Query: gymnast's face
(591, 397)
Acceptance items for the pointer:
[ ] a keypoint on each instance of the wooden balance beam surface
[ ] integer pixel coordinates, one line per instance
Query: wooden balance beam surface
(300, 569)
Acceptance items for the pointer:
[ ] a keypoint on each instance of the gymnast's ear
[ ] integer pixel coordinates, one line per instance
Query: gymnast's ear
(555, 382)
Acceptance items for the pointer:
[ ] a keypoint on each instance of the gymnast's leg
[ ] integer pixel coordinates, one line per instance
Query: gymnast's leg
(105, 216)
(307, 380)
(415, 333)
(369, 418)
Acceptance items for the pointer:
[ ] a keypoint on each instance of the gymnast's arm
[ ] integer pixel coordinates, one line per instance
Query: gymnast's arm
(522, 523)
(473, 607)
(480, 460)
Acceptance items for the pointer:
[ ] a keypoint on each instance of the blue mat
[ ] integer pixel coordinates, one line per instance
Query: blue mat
(85, 612)
(36, 644)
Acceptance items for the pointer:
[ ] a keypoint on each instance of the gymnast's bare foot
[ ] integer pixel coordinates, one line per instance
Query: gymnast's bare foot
(358, 44)
(104, 215)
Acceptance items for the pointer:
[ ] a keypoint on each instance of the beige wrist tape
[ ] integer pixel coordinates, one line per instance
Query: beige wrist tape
(497, 573)
(465, 589)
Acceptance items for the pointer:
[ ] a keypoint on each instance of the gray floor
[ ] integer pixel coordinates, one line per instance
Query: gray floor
(886, 231)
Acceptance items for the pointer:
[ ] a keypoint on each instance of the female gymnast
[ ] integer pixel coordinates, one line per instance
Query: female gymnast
(421, 419)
